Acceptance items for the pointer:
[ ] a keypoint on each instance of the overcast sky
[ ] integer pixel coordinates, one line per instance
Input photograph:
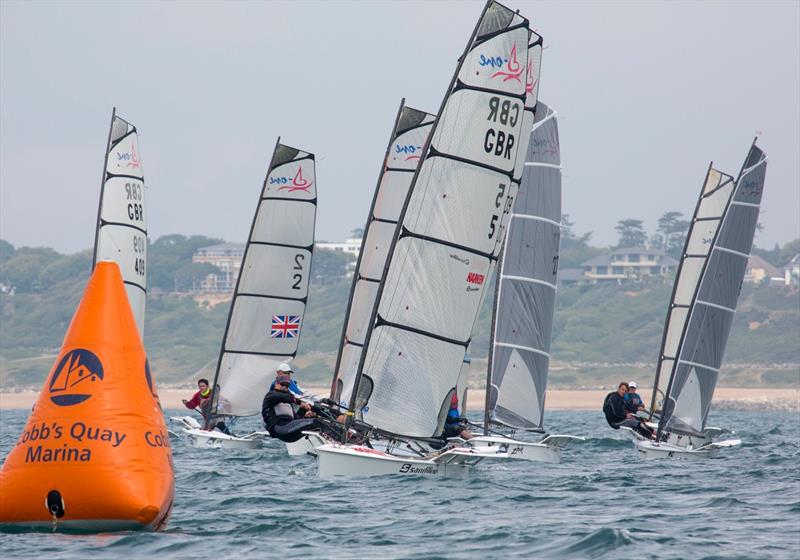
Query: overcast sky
(647, 93)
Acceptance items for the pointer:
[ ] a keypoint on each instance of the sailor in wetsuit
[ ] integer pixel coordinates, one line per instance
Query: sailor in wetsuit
(280, 418)
(617, 416)
(453, 424)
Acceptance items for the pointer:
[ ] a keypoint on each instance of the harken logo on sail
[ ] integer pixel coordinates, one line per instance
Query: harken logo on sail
(511, 68)
(285, 326)
(296, 183)
(76, 377)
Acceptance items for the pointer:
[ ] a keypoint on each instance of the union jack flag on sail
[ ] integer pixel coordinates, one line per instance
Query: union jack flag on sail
(285, 326)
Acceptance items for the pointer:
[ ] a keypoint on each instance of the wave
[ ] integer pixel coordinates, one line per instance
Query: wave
(598, 543)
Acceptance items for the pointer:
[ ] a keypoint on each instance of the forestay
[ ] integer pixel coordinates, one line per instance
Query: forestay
(526, 294)
(706, 292)
(450, 231)
(409, 134)
(121, 234)
(266, 314)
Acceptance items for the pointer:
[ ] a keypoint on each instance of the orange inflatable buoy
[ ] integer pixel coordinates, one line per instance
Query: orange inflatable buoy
(95, 454)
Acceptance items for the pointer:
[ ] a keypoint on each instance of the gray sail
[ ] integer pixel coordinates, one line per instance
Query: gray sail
(701, 348)
(436, 271)
(526, 295)
(121, 234)
(266, 314)
(403, 155)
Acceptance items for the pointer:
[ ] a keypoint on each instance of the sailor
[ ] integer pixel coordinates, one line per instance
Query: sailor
(285, 416)
(286, 370)
(454, 424)
(617, 416)
(633, 402)
(201, 400)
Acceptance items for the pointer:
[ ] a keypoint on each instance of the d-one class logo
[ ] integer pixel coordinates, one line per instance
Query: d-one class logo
(75, 378)
(413, 152)
(530, 83)
(128, 159)
(512, 70)
(297, 183)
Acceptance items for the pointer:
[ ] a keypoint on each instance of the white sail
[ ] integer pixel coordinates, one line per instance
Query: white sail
(714, 198)
(266, 313)
(711, 284)
(403, 154)
(121, 234)
(449, 236)
(526, 295)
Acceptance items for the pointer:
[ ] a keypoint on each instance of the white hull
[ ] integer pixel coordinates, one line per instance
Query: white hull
(548, 450)
(307, 445)
(355, 460)
(687, 448)
(213, 439)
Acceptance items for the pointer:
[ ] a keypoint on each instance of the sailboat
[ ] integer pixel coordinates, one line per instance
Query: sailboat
(522, 318)
(449, 235)
(266, 313)
(121, 228)
(701, 311)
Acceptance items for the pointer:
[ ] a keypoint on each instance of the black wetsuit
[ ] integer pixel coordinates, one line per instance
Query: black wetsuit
(281, 420)
(614, 409)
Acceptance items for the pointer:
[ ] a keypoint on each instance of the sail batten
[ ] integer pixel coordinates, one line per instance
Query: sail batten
(268, 306)
(441, 254)
(692, 359)
(121, 232)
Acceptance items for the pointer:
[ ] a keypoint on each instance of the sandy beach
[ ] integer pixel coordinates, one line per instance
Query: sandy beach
(557, 399)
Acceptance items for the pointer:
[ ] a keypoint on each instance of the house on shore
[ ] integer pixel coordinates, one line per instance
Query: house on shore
(629, 264)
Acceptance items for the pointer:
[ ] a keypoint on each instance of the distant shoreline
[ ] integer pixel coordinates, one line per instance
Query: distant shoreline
(742, 398)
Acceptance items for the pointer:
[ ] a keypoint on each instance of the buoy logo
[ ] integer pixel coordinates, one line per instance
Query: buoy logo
(75, 378)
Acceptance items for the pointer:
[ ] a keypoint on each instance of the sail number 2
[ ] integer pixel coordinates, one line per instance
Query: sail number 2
(298, 265)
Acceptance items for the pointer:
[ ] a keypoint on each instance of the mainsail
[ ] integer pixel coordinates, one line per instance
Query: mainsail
(266, 313)
(121, 234)
(409, 134)
(526, 291)
(449, 235)
(706, 293)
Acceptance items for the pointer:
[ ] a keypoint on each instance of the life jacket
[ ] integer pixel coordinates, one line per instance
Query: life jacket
(284, 410)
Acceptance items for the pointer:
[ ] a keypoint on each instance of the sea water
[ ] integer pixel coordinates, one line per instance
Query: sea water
(600, 502)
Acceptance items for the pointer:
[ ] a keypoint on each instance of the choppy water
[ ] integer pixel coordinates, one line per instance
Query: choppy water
(600, 502)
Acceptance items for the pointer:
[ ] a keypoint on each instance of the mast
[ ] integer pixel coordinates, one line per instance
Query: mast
(102, 189)
(487, 407)
(393, 246)
(370, 217)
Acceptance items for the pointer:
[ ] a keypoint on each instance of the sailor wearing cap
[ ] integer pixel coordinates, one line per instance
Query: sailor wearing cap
(285, 370)
(633, 402)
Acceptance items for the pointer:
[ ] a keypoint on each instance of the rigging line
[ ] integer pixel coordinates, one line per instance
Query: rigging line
(697, 364)
(716, 306)
(526, 279)
(520, 347)
(537, 218)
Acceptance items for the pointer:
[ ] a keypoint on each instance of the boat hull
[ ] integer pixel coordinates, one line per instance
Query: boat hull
(339, 460)
(680, 447)
(307, 445)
